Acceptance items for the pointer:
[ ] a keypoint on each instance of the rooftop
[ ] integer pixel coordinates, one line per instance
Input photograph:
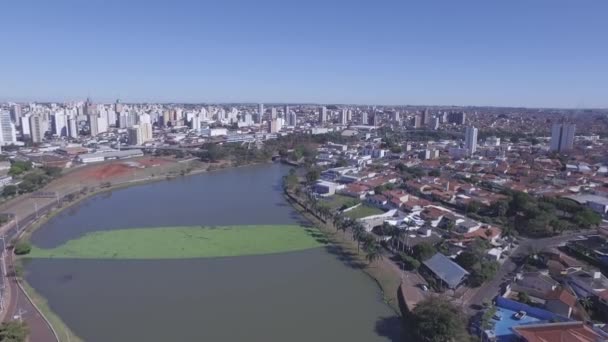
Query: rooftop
(448, 271)
(562, 332)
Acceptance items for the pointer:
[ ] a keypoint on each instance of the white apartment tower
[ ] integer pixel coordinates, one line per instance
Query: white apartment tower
(470, 141)
(8, 134)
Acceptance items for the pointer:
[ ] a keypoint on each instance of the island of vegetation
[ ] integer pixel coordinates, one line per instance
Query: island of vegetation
(184, 242)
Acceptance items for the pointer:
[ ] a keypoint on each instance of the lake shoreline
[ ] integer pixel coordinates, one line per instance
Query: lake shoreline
(386, 280)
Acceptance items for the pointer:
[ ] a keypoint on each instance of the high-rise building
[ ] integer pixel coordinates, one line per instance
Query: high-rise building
(470, 140)
(8, 134)
(418, 121)
(89, 108)
(562, 137)
(135, 136)
(72, 127)
(273, 113)
(426, 117)
(364, 118)
(458, 118)
(344, 116)
(16, 113)
(36, 128)
(260, 112)
(435, 124)
(376, 119)
(145, 127)
(286, 112)
(60, 124)
(292, 119)
(92, 120)
(25, 125)
(118, 106)
(322, 114)
(396, 117)
(274, 125)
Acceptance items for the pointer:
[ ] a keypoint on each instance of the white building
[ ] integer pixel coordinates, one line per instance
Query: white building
(72, 126)
(344, 116)
(8, 134)
(36, 128)
(562, 137)
(93, 127)
(292, 119)
(470, 142)
(60, 124)
(260, 112)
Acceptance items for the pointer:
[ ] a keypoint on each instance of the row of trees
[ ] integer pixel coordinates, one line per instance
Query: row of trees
(31, 179)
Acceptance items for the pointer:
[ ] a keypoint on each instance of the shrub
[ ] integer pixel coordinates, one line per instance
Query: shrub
(22, 248)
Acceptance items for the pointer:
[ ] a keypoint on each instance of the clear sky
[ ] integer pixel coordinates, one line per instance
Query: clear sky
(485, 52)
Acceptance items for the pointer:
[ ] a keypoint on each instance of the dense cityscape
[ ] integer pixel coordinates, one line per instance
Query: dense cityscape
(496, 215)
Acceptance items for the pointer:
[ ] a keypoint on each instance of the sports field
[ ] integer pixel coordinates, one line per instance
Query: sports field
(185, 242)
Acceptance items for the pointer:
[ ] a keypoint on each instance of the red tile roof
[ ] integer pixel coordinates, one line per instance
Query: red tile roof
(557, 332)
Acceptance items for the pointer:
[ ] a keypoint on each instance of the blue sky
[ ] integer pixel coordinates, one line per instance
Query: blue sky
(516, 53)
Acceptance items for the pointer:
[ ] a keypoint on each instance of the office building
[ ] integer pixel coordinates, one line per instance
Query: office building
(8, 134)
(418, 121)
(562, 137)
(286, 112)
(470, 142)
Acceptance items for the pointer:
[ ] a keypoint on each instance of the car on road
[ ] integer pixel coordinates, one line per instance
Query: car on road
(423, 287)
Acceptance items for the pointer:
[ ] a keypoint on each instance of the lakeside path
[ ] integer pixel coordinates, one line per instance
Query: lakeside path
(389, 277)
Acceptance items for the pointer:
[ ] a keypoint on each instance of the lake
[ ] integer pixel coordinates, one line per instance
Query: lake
(296, 296)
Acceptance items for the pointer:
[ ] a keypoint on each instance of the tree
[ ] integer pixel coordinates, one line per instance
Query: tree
(423, 251)
(437, 320)
(373, 252)
(523, 297)
(312, 175)
(467, 260)
(9, 190)
(23, 247)
(358, 234)
(13, 331)
(409, 263)
(434, 173)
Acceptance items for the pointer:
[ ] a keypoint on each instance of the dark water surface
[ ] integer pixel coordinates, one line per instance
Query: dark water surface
(299, 296)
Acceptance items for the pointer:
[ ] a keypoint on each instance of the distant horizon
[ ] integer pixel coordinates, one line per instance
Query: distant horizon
(105, 102)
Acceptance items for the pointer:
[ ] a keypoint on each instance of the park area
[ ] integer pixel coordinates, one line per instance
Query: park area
(185, 242)
(363, 211)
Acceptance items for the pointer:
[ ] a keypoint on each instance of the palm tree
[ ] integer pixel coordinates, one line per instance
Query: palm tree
(358, 233)
(373, 252)
(586, 303)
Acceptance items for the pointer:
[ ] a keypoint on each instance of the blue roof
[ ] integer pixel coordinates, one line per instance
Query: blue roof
(445, 269)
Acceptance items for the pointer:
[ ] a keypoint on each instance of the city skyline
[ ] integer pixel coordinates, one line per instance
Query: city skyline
(548, 54)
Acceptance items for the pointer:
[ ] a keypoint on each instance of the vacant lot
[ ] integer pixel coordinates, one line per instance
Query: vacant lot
(336, 202)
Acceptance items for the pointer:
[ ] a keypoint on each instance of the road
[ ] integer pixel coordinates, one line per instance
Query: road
(490, 289)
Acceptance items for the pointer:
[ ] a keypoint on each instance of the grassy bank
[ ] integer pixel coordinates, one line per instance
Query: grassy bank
(385, 276)
(183, 242)
(63, 331)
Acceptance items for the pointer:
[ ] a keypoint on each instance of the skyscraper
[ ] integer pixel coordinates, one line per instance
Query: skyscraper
(286, 112)
(273, 113)
(292, 119)
(322, 114)
(344, 116)
(16, 113)
(135, 136)
(562, 137)
(364, 118)
(36, 128)
(60, 124)
(8, 134)
(470, 142)
(93, 124)
(72, 127)
(260, 112)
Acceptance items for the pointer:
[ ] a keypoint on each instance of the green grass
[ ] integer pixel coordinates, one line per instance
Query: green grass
(184, 242)
(335, 202)
(362, 211)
